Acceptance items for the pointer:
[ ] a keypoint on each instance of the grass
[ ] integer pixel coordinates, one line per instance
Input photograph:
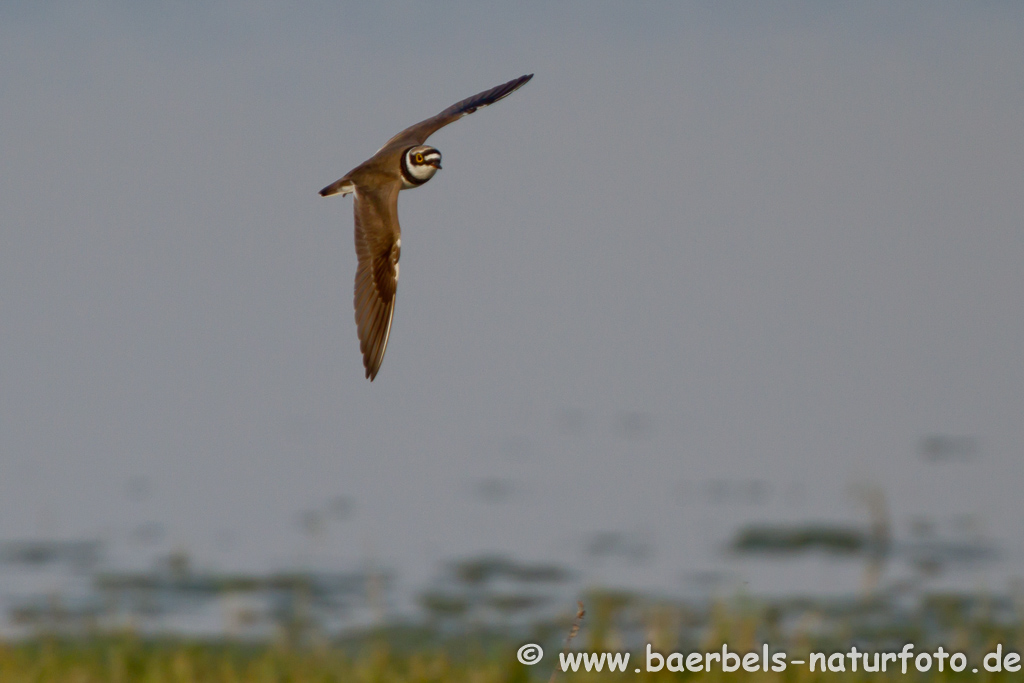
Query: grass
(423, 655)
(121, 660)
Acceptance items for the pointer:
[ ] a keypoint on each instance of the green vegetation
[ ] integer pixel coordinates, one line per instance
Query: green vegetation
(121, 660)
(615, 621)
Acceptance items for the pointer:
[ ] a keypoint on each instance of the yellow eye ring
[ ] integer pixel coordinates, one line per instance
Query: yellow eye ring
(419, 158)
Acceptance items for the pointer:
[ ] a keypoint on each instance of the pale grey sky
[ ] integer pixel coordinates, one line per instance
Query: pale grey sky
(709, 241)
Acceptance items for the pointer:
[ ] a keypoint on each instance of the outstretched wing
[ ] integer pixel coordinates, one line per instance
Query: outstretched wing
(418, 134)
(378, 247)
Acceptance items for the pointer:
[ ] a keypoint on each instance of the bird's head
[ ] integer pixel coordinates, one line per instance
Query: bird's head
(419, 164)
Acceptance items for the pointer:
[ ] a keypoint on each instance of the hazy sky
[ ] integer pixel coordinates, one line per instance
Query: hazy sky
(709, 242)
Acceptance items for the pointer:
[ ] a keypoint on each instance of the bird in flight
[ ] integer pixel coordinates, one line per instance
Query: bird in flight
(403, 163)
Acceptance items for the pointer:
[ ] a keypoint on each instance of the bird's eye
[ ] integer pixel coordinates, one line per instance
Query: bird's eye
(419, 158)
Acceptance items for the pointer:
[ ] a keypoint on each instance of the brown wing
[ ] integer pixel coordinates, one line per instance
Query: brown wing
(418, 134)
(378, 247)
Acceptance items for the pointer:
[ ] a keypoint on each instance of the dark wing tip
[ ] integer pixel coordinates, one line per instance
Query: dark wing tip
(471, 104)
(419, 132)
(341, 186)
(504, 90)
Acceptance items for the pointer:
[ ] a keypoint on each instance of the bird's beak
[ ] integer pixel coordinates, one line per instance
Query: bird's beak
(436, 164)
